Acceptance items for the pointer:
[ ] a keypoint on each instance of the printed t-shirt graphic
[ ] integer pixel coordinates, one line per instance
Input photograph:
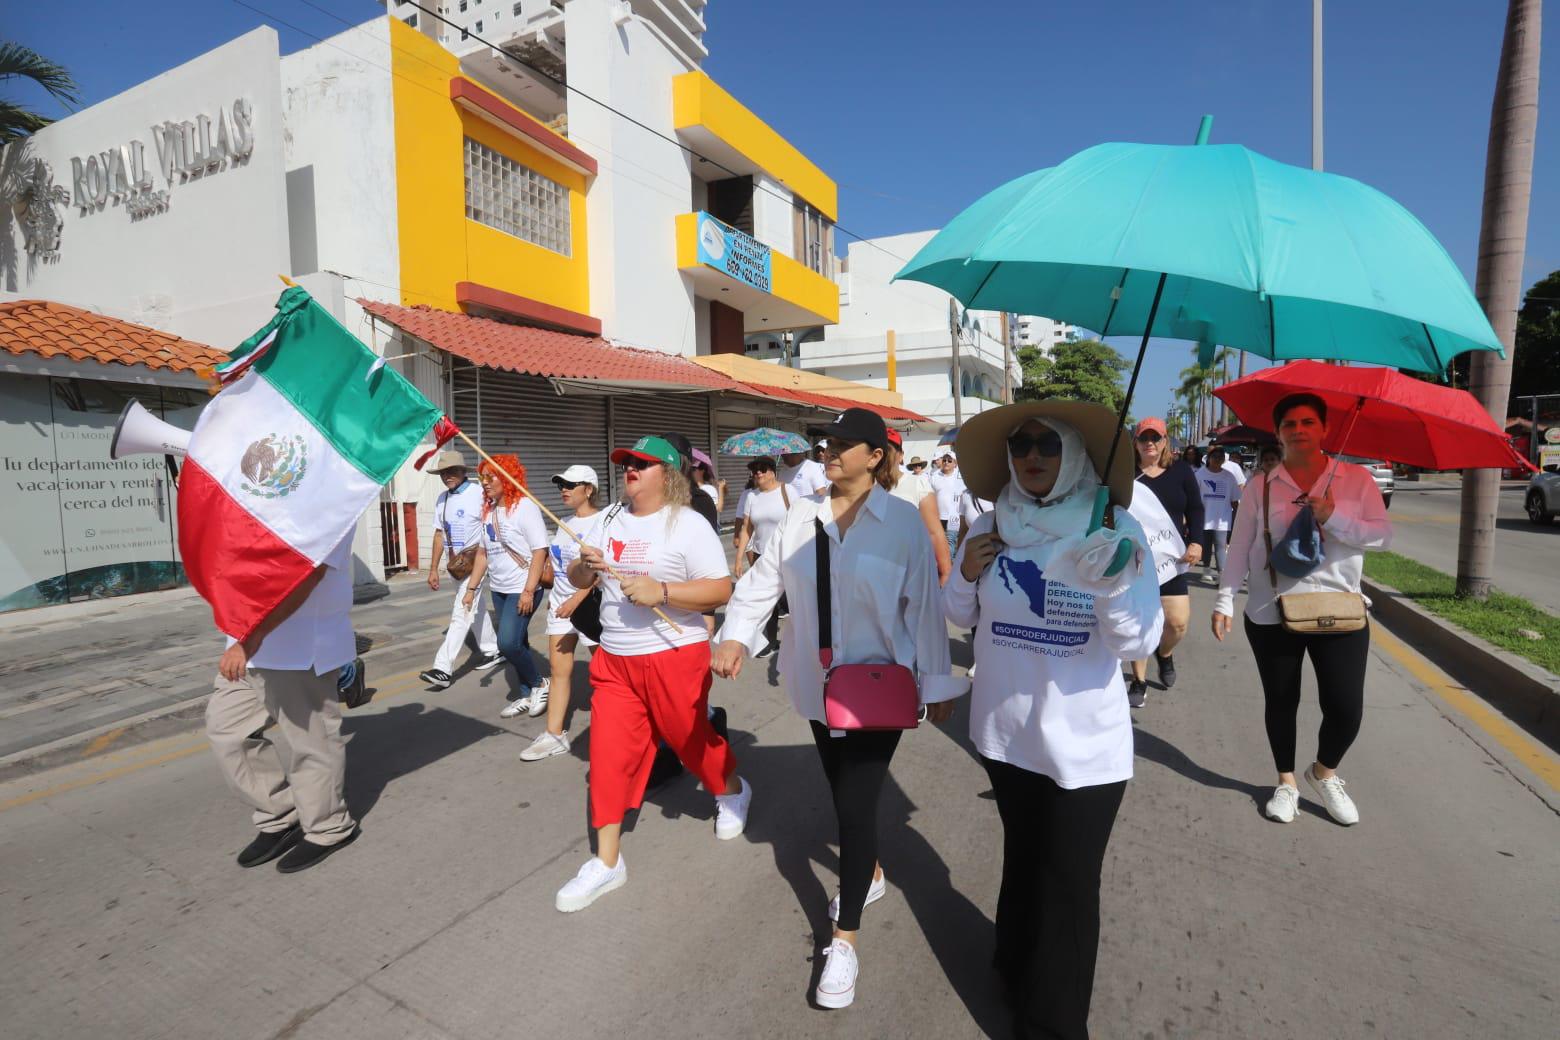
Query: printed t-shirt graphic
(1066, 615)
(642, 545)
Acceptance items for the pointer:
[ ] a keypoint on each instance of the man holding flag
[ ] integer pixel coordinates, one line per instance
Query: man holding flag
(308, 427)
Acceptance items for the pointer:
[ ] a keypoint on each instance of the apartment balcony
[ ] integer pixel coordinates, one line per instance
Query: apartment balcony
(731, 267)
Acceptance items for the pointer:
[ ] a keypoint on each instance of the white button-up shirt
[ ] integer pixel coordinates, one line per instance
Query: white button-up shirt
(1358, 522)
(885, 608)
(318, 635)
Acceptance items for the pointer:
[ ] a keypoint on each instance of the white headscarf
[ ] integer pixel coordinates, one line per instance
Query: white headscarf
(1023, 520)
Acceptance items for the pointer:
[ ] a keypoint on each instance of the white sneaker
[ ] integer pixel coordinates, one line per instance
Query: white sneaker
(539, 698)
(513, 708)
(875, 891)
(487, 661)
(731, 812)
(546, 745)
(594, 880)
(1284, 804)
(1334, 799)
(837, 985)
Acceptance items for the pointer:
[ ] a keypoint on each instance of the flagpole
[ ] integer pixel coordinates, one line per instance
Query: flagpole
(554, 518)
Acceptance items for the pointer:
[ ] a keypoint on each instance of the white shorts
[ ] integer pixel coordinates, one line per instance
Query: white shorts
(557, 626)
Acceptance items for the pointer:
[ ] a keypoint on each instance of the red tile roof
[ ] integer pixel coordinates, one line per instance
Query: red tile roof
(57, 330)
(562, 355)
(837, 404)
(545, 352)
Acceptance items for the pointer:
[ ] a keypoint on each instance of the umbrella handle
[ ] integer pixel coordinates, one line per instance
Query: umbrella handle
(1097, 521)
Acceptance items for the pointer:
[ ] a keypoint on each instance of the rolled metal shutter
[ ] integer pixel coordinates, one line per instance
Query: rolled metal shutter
(525, 416)
(635, 416)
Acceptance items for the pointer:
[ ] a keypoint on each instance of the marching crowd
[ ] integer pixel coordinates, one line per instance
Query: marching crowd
(851, 569)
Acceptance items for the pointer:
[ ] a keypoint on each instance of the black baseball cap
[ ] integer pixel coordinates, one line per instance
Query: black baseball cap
(855, 424)
(683, 445)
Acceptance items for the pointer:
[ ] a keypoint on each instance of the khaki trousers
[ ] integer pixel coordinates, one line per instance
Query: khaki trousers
(301, 776)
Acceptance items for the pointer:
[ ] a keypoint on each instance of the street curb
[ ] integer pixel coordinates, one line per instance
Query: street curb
(1520, 690)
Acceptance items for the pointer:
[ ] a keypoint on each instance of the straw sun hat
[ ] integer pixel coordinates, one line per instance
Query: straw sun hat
(983, 452)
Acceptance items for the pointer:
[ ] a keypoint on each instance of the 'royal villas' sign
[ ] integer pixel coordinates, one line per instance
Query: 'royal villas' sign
(185, 151)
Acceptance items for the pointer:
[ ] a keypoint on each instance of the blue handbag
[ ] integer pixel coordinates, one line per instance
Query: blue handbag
(1299, 551)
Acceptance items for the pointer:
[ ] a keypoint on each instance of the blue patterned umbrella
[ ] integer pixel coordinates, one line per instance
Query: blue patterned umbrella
(765, 441)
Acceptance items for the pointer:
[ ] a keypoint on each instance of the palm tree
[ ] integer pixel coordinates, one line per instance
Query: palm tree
(1508, 184)
(18, 62)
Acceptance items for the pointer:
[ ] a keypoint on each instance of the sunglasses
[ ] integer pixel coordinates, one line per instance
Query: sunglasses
(1150, 437)
(1048, 443)
(634, 462)
(916, 467)
(566, 485)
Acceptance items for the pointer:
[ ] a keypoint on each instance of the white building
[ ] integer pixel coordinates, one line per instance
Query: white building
(918, 315)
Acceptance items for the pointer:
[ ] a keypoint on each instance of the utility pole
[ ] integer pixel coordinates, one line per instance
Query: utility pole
(1316, 84)
(958, 388)
(1007, 356)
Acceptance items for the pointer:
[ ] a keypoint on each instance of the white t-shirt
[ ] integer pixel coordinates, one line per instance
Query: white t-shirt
(971, 507)
(459, 515)
(765, 509)
(1048, 696)
(912, 487)
(643, 545)
(1220, 491)
(807, 477)
(712, 491)
(318, 635)
(519, 527)
(948, 487)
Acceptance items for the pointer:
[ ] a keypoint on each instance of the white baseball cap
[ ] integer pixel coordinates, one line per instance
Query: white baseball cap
(577, 475)
(947, 453)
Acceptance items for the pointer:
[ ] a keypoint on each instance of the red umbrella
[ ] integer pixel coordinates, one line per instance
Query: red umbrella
(1379, 413)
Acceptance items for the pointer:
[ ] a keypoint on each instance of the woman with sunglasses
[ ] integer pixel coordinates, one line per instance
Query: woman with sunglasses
(510, 556)
(1047, 714)
(885, 608)
(577, 485)
(1174, 483)
(1348, 510)
(651, 676)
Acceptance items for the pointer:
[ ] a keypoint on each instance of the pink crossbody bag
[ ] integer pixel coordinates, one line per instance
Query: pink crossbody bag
(859, 696)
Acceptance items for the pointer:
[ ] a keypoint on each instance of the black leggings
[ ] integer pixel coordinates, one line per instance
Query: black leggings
(1339, 663)
(1048, 911)
(856, 766)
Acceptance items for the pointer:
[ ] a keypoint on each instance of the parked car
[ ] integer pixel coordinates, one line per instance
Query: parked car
(1543, 496)
(1386, 483)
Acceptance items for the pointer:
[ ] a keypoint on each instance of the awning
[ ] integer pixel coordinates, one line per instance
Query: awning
(589, 364)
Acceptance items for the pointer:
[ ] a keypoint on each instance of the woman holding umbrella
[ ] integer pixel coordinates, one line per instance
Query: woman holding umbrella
(1047, 715)
(1347, 507)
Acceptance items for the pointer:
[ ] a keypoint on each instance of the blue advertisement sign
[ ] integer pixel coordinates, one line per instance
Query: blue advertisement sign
(737, 253)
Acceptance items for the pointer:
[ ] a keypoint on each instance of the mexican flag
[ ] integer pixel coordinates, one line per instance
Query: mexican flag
(308, 428)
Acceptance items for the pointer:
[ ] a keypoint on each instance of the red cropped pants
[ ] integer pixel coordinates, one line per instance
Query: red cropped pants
(637, 702)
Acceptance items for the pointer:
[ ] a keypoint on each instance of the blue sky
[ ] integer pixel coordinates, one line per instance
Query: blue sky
(917, 108)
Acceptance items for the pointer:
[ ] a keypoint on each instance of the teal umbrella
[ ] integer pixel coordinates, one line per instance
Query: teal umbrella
(1235, 249)
(1212, 243)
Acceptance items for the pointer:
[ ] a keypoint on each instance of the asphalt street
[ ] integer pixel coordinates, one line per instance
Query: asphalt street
(125, 915)
(1425, 519)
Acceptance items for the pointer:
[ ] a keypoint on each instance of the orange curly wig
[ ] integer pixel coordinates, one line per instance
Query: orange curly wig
(509, 464)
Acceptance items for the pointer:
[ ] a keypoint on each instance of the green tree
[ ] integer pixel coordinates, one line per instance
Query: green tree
(1083, 370)
(1535, 364)
(18, 62)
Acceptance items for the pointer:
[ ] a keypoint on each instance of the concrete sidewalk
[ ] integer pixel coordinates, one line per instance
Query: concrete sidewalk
(1433, 918)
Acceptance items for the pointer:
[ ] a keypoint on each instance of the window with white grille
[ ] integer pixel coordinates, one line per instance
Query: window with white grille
(516, 199)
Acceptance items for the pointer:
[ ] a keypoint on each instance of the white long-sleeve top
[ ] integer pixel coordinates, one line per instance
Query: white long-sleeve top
(885, 603)
(1048, 693)
(1358, 522)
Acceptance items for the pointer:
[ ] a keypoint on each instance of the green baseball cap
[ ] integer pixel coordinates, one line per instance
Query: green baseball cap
(651, 449)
